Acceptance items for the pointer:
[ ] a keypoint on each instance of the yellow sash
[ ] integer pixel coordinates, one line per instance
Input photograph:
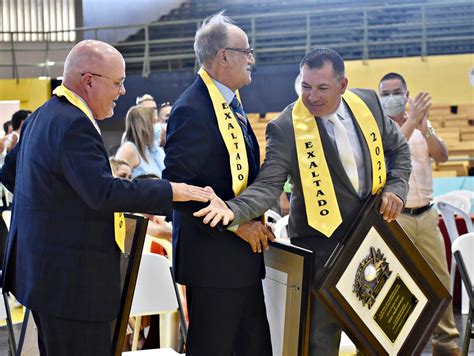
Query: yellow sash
(231, 134)
(371, 132)
(119, 219)
(322, 209)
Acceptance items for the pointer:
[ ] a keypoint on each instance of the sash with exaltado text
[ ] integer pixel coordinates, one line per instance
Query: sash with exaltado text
(231, 134)
(119, 218)
(322, 209)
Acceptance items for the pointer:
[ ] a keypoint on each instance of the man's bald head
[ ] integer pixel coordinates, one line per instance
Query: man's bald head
(90, 56)
(95, 71)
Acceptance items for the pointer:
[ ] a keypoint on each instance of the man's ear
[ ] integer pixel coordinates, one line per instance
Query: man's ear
(86, 79)
(343, 85)
(221, 57)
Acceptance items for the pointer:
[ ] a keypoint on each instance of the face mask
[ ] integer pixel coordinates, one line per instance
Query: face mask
(157, 127)
(393, 105)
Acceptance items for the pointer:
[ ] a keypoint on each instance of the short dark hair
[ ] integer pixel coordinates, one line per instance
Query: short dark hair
(146, 176)
(18, 118)
(393, 75)
(317, 57)
(5, 126)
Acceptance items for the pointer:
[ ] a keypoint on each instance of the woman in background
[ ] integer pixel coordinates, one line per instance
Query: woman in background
(139, 148)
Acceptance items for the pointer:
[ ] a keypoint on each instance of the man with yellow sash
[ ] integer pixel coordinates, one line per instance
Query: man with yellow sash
(211, 143)
(63, 254)
(338, 149)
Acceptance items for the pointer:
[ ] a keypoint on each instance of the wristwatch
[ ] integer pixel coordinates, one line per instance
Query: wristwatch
(430, 132)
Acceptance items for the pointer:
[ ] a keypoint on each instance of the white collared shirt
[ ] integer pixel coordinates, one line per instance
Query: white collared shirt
(227, 93)
(346, 119)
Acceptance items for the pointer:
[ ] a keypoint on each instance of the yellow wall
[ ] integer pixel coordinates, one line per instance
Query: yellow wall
(446, 78)
(32, 93)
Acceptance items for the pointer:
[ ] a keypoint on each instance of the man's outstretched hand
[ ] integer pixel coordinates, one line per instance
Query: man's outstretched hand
(186, 192)
(215, 212)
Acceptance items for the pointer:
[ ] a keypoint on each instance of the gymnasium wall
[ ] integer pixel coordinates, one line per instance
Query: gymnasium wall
(32, 93)
(447, 78)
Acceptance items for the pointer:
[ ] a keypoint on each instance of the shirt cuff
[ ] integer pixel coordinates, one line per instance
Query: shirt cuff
(233, 228)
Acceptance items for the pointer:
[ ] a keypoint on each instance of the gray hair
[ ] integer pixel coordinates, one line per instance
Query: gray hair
(211, 36)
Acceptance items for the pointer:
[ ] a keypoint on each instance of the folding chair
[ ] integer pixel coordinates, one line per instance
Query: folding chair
(463, 252)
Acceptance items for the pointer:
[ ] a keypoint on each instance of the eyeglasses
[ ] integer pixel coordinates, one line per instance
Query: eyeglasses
(247, 51)
(118, 84)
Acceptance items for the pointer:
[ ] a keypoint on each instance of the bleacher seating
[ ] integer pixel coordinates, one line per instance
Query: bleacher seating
(457, 130)
(455, 125)
(281, 32)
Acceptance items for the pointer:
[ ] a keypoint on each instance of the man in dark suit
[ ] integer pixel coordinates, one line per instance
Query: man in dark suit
(62, 260)
(329, 185)
(210, 143)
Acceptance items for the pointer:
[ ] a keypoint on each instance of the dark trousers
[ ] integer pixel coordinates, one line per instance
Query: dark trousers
(227, 321)
(64, 337)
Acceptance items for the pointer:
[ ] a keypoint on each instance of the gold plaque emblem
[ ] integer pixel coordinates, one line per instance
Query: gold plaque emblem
(371, 276)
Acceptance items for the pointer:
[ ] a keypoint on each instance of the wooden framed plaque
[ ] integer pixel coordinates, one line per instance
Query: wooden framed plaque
(286, 287)
(381, 289)
(129, 264)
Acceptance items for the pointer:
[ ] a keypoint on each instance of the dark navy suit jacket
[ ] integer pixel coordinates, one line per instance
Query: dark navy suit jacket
(196, 154)
(62, 258)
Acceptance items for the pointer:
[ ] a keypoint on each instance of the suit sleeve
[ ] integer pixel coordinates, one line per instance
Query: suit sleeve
(85, 166)
(187, 146)
(8, 170)
(397, 157)
(267, 187)
(187, 150)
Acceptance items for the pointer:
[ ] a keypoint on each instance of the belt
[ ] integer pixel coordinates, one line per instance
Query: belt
(416, 211)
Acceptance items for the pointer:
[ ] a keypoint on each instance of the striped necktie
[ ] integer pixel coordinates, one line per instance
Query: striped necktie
(241, 118)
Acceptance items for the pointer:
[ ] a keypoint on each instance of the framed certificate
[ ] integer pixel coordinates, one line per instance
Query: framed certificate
(381, 289)
(129, 264)
(286, 287)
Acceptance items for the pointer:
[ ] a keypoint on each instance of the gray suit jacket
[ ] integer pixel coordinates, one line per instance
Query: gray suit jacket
(281, 161)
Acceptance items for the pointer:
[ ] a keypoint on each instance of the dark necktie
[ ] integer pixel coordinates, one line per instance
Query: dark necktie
(242, 119)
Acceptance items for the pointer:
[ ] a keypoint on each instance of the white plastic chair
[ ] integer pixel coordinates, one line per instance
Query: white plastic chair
(464, 247)
(281, 225)
(346, 346)
(6, 216)
(469, 195)
(455, 199)
(449, 212)
(272, 216)
(155, 293)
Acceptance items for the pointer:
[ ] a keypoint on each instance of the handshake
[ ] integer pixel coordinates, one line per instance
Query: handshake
(253, 232)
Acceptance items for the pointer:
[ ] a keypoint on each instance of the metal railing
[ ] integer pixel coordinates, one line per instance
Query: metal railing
(357, 33)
